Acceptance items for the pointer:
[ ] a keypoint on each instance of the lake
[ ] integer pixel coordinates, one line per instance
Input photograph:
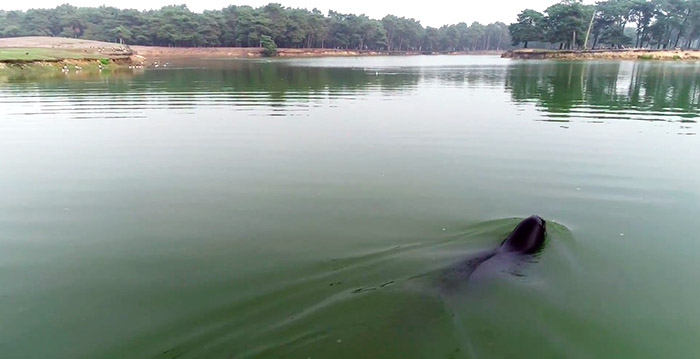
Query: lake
(306, 208)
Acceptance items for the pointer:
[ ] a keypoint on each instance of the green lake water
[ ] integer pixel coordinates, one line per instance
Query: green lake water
(306, 208)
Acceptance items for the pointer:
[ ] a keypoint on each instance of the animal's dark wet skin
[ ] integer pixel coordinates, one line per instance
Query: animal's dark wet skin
(525, 240)
(527, 237)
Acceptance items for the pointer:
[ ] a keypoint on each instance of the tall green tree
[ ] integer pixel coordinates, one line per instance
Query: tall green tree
(567, 23)
(530, 26)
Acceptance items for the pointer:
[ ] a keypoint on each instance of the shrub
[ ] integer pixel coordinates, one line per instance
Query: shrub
(269, 46)
(646, 57)
(104, 61)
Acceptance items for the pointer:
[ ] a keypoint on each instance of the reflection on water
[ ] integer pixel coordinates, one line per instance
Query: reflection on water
(613, 90)
(278, 89)
(306, 208)
(589, 91)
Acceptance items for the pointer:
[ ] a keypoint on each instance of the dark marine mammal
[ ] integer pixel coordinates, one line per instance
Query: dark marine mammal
(527, 238)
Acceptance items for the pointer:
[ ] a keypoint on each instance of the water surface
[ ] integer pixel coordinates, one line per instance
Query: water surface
(305, 208)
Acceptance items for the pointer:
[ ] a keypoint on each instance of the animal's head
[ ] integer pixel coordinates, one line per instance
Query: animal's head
(527, 237)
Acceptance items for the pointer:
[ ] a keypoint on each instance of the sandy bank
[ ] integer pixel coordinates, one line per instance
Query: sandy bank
(631, 54)
(39, 52)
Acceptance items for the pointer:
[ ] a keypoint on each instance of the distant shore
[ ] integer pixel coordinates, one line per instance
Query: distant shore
(57, 52)
(208, 52)
(622, 54)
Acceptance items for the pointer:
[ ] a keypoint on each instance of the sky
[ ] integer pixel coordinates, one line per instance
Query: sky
(430, 13)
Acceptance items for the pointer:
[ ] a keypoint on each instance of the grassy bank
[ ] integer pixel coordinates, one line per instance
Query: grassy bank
(46, 54)
(30, 54)
(626, 54)
(33, 63)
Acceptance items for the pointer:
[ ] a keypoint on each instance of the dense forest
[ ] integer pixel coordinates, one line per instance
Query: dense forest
(659, 24)
(246, 26)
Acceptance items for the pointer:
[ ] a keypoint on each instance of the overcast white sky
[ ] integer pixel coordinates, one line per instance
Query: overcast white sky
(429, 12)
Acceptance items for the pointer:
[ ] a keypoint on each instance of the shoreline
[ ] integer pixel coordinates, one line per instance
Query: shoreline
(46, 52)
(48, 67)
(623, 54)
(236, 52)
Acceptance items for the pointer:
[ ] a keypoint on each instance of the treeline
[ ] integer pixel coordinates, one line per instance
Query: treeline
(660, 24)
(247, 26)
